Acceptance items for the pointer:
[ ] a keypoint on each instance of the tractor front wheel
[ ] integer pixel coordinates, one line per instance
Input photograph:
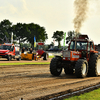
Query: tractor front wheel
(81, 68)
(56, 66)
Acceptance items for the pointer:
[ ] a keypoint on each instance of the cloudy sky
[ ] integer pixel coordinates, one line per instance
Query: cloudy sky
(53, 15)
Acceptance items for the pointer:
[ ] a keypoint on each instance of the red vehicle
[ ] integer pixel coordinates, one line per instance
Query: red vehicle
(80, 59)
(9, 51)
(40, 52)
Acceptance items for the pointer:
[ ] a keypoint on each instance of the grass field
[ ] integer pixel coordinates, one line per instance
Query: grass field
(24, 63)
(93, 95)
(51, 56)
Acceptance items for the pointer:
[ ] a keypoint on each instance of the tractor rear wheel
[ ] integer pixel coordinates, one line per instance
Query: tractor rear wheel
(81, 68)
(56, 66)
(94, 65)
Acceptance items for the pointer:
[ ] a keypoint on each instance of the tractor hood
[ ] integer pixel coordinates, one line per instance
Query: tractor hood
(3, 51)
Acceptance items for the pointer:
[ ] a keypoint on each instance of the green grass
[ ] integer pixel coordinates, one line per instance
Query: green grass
(51, 56)
(24, 63)
(93, 95)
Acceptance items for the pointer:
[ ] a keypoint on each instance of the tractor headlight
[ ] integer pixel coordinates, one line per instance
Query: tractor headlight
(6, 52)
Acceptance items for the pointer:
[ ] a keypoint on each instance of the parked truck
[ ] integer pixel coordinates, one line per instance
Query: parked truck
(10, 51)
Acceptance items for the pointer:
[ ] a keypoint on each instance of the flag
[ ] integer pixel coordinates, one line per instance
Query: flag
(34, 41)
(12, 37)
(64, 39)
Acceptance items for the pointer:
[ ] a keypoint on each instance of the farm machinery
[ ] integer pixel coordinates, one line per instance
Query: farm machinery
(40, 51)
(80, 59)
(36, 54)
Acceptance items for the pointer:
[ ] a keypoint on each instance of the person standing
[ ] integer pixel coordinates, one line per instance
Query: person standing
(31, 51)
(23, 49)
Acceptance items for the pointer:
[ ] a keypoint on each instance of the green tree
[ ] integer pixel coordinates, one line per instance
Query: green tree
(58, 36)
(5, 31)
(70, 34)
(52, 44)
(26, 32)
(38, 32)
(20, 31)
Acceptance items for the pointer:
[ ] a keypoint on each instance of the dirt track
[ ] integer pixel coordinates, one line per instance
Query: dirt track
(3, 60)
(32, 81)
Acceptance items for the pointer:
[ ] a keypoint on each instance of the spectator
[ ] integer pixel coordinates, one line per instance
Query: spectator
(27, 49)
(31, 51)
(23, 49)
(34, 54)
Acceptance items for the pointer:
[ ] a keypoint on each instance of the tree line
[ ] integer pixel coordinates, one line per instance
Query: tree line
(26, 32)
(21, 32)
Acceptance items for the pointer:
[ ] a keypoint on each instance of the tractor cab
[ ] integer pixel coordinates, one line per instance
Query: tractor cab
(82, 45)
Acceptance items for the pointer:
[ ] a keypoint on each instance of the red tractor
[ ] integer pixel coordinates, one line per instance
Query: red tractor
(40, 51)
(80, 59)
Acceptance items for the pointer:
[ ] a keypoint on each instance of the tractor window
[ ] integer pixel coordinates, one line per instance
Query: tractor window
(72, 45)
(80, 45)
(40, 47)
(89, 46)
(92, 47)
(83, 45)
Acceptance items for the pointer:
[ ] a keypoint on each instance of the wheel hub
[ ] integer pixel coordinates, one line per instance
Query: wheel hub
(84, 69)
(98, 66)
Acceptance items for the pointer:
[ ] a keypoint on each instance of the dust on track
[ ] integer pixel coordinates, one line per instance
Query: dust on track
(35, 81)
